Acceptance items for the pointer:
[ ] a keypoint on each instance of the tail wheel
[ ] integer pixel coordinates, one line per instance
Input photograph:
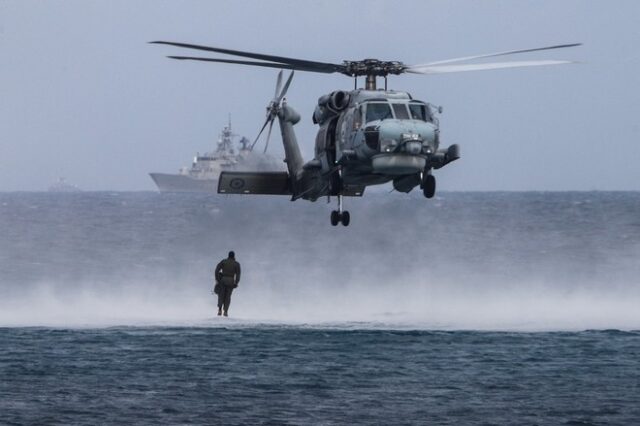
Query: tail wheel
(429, 186)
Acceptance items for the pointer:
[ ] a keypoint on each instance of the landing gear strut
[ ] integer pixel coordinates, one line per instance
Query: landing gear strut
(340, 216)
(428, 185)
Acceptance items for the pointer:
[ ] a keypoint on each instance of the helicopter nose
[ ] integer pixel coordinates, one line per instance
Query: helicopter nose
(413, 147)
(407, 143)
(411, 143)
(404, 147)
(398, 164)
(407, 134)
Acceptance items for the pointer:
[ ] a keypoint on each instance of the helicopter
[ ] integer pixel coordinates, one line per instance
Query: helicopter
(367, 136)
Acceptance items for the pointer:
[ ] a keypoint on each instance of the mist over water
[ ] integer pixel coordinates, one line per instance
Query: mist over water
(477, 261)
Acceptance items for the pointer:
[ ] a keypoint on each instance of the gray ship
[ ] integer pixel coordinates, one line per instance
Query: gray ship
(63, 186)
(203, 174)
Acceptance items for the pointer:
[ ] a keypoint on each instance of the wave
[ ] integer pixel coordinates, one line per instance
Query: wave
(404, 304)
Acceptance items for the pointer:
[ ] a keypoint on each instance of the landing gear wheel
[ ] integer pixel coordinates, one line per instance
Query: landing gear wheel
(340, 216)
(335, 217)
(346, 218)
(429, 186)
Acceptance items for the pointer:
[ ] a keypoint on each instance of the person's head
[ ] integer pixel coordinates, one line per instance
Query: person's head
(232, 255)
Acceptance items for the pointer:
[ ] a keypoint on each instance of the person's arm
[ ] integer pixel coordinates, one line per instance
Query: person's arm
(218, 271)
(238, 273)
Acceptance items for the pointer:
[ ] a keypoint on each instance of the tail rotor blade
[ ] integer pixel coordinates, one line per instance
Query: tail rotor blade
(286, 87)
(278, 85)
(261, 130)
(266, 145)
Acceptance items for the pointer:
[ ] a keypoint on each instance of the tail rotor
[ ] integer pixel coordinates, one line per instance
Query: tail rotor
(273, 108)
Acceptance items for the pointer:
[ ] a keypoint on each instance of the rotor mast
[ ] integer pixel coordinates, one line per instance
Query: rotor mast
(370, 82)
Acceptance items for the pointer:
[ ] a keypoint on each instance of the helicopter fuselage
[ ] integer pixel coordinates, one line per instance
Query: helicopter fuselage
(370, 137)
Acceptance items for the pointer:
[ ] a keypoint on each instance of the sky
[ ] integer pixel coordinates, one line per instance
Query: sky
(85, 97)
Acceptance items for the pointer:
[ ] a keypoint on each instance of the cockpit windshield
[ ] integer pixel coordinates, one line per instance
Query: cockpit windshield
(378, 111)
(400, 111)
(419, 112)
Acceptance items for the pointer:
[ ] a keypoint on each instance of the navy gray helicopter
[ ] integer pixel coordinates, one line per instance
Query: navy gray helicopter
(367, 136)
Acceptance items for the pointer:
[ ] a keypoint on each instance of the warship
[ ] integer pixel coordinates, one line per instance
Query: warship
(61, 185)
(202, 175)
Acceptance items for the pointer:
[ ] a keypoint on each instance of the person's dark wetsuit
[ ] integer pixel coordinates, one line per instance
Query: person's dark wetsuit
(228, 274)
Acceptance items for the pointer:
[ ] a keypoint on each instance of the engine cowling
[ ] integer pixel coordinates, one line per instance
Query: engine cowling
(338, 100)
(330, 105)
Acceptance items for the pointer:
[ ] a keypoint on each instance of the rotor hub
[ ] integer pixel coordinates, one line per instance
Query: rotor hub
(373, 67)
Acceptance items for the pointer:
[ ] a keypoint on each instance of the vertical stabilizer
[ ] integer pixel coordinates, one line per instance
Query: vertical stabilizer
(287, 117)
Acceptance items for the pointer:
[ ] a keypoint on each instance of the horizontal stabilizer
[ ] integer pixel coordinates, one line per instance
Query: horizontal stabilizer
(268, 183)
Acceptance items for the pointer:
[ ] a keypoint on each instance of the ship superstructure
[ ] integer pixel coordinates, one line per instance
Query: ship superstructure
(202, 175)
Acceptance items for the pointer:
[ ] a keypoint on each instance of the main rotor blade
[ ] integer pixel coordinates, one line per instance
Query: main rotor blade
(489, 55)
(259, 64)
(266, 145)
(285, 88)
(303, 64)
(442, 69)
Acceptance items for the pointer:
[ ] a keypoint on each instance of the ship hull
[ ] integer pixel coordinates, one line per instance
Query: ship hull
(180, 183)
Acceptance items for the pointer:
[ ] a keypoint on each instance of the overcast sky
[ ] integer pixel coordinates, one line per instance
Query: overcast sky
(82, 94)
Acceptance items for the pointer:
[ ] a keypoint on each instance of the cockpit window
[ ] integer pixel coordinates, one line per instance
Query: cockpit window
(400, 110)
(378, 111)
(419, 112)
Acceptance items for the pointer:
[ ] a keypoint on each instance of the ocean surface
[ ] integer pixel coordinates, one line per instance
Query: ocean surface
(471, 308)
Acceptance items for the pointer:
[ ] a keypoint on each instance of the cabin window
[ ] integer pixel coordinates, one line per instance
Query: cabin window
(419, 112)
(400, 111)
(378, 111)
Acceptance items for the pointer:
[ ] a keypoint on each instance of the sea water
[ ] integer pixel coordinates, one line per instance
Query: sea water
(471, 308)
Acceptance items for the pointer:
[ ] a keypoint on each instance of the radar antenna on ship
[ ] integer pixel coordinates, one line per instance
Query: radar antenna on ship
(245, 144)
(225, 141)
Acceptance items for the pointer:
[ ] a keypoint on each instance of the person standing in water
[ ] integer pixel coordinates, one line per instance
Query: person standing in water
(228, 275)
